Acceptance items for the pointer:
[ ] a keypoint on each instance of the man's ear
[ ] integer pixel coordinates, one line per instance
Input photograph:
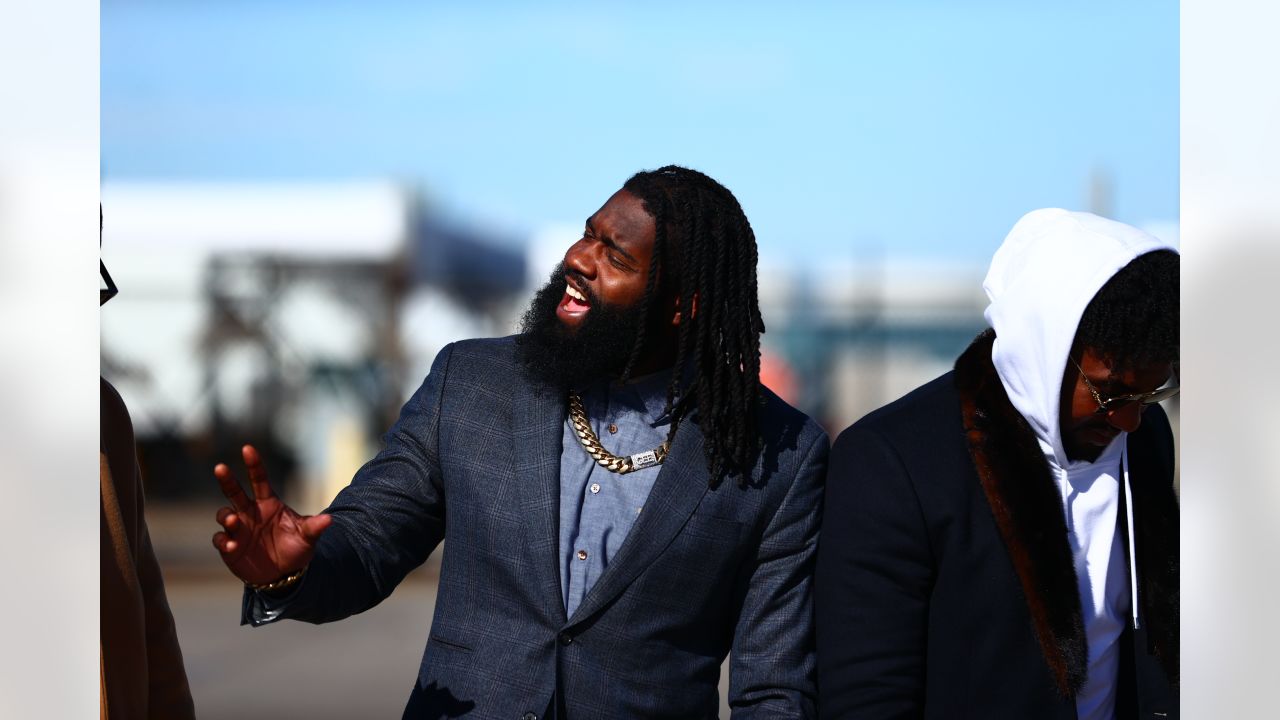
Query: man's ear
(693, 311)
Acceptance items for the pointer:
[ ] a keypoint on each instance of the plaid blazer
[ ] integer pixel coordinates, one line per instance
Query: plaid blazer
(474, 460)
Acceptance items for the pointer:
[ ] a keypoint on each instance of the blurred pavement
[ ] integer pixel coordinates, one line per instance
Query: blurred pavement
(362, 667)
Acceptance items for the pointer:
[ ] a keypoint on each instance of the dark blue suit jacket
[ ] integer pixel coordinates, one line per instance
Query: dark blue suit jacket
(474, 460)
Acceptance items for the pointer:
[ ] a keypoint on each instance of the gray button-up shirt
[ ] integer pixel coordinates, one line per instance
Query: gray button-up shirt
(598, 507)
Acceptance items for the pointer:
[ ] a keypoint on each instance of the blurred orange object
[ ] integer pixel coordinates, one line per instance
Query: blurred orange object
(777, 375)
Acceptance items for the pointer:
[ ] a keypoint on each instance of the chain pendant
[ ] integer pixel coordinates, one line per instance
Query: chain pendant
(640, 461)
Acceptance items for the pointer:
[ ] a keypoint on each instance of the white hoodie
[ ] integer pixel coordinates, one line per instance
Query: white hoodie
(1041, 280)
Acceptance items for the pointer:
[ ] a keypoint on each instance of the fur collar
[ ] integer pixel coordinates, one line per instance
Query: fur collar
(1028, 511)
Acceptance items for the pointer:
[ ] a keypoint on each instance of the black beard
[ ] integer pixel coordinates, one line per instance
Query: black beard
(571, 359)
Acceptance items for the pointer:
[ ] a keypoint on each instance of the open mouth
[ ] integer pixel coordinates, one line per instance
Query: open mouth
(574, 304)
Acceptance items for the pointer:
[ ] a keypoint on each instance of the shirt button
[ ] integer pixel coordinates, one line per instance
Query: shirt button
(566, 639)
(613, 428)
(595, 488)
(529, 716)
(582, 554)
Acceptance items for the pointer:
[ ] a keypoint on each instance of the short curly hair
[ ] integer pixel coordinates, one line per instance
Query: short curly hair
(1133, 320)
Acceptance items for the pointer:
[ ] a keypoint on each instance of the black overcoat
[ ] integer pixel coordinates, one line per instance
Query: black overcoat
(945, 585)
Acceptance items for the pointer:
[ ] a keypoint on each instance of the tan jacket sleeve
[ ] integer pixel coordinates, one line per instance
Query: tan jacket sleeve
(141, 668)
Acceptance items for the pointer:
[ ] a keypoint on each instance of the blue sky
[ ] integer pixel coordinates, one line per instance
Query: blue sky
(912, 127)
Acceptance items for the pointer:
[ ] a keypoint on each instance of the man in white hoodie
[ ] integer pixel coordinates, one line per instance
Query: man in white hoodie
(1003, 541)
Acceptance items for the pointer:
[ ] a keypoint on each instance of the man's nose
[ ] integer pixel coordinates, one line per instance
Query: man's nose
(578, 259)
(1127, 417)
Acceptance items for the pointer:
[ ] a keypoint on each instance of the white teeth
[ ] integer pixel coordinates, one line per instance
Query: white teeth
(573, 293)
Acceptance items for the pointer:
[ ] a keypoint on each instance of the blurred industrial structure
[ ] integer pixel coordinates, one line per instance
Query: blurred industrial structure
(298, 317)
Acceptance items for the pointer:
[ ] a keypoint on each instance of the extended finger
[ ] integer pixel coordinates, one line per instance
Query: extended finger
(224, 543)
(257, 473)
(231, 489)
(230, 520)
(313, 526)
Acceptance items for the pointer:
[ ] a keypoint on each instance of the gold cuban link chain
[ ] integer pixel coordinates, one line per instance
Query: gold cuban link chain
(606, 459)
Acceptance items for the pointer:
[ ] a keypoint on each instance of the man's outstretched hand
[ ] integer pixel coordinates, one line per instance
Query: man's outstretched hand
(263, 539)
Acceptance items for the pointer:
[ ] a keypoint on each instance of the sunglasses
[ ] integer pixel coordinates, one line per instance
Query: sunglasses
(1112, 404)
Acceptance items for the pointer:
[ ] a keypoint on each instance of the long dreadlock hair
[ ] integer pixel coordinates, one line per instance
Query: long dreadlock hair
(705, 251)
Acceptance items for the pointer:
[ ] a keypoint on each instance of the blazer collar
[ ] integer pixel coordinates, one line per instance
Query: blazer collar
(537, 419)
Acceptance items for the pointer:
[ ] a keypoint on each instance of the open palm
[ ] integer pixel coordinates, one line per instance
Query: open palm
(262, 540)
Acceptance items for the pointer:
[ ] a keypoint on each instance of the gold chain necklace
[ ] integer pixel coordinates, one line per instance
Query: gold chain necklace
(606, 459)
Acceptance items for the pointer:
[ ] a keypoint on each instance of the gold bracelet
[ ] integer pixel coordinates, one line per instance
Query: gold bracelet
(280, 584)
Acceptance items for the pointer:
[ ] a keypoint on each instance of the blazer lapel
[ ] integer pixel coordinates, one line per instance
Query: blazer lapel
(680, 485)
(538, 418)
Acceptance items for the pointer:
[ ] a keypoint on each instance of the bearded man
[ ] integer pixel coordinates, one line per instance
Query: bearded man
(623, 502)
(1002, 542)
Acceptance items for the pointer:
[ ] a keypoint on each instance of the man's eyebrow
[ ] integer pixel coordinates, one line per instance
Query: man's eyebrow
(610, 242)
(1117, 386)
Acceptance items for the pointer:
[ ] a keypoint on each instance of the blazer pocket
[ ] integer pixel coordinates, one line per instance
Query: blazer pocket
(434, 637)
(710, 527)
